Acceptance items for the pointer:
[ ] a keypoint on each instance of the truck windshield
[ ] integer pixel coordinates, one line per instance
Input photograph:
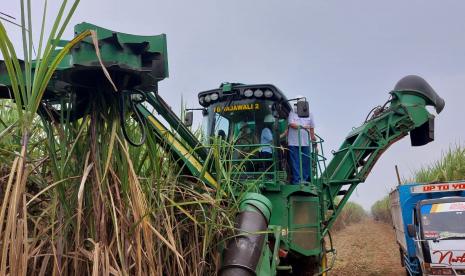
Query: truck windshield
(443, 220)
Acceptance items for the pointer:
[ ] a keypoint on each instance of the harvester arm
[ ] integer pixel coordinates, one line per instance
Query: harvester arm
(175, 122)
(405, 112)
(135, 64)
(179, 141)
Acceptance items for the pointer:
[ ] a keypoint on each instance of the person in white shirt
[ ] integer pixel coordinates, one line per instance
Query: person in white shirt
(300, 134)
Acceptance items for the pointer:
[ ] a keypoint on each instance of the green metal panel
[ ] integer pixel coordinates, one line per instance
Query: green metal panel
(304, 225)
(285, 202)
(134, 52)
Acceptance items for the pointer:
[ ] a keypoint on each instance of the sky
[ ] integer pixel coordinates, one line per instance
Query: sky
(344, 56)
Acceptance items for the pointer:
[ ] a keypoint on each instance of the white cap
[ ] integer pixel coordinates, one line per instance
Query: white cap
(268, 119)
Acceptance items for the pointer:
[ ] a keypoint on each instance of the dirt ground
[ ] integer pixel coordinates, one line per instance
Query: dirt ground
(366, 248)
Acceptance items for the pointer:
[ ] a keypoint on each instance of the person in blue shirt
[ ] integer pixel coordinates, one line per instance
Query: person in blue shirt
(266, 139)
(300, 134)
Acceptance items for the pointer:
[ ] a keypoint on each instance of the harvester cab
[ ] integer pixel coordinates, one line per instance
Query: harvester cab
(241, 116)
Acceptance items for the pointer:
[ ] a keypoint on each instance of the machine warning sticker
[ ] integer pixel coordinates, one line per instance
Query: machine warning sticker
(237, 107)
(442, 187)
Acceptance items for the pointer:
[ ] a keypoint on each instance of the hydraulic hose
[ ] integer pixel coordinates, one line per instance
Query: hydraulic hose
(135, 97)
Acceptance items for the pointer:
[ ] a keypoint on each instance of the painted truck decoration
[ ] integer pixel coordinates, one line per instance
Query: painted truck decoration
(429, 222)
(280, 228)
(435, 188)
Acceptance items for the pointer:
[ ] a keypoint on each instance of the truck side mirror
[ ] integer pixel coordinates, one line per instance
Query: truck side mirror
(411, 230)
(302, 109)
(189, 118)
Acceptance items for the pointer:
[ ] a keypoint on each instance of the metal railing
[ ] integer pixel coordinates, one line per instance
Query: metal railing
(244, 158)
(317, 161)
(248, 163)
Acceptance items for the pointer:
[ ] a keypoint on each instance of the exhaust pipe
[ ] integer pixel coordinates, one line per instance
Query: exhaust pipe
(242, 253)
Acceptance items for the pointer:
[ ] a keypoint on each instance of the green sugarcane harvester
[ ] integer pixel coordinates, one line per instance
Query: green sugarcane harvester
(281, 228)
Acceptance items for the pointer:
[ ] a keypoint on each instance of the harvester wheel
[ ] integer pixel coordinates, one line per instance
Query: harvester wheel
(309, 266)
(302, 266)
(324, 264)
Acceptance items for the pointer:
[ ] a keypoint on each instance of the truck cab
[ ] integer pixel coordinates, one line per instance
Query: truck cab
(429, 221)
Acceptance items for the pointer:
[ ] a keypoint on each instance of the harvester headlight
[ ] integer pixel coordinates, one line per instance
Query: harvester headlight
(201, 100)
(214, 96)
(248, 93)
(207, 99)
(258, 93)
(268, 93)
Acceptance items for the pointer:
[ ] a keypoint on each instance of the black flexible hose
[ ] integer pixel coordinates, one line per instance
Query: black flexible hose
(377, 108)
(138, 117)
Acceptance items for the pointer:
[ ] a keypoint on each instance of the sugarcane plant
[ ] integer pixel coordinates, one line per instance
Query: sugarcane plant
(29, 78)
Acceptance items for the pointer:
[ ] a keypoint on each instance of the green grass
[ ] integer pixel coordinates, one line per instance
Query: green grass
(450, 167)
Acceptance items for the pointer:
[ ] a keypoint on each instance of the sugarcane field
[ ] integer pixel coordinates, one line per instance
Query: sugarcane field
(232, 138)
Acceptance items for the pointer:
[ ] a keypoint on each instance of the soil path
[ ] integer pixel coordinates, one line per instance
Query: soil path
(366, 248)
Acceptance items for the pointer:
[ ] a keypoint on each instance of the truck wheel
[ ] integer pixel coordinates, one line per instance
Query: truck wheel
(301, 266)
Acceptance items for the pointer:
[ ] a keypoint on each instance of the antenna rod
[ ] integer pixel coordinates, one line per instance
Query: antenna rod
(7, 15)
(397, 173)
